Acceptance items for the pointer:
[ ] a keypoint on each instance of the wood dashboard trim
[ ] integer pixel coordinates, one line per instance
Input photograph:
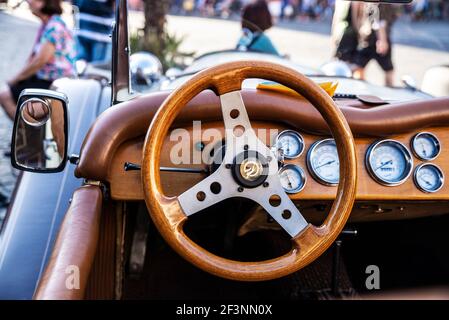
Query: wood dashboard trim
(131, 119)
(127, 185)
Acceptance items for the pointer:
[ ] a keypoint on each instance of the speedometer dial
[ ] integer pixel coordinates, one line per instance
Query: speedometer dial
(389, 162)
(291, 143)
(323, 162)
(292, 178)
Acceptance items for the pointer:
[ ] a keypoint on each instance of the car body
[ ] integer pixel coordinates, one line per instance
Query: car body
(104, 136)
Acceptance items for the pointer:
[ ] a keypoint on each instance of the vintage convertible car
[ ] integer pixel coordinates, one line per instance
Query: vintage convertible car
(219, 185)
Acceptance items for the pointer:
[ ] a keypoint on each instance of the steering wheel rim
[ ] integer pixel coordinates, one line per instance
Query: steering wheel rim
(167, 212)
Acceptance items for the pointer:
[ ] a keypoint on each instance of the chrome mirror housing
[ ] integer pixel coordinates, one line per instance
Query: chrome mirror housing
(146, 69)
(80, 66)
(40, 133)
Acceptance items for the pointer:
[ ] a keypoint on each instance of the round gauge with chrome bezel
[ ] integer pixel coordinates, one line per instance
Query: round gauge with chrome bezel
(323, 162)
(291, 143)
(389, 162)
(426, 146)
(293, 178)
(428, 177)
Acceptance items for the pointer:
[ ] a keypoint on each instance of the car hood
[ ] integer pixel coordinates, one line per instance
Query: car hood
(346, 86)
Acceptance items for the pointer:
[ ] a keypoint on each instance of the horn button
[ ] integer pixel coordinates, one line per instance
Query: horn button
(250, 169)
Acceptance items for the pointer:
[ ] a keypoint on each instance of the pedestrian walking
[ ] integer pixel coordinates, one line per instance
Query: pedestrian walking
(374, 42)
(344, 31)
(94, 20)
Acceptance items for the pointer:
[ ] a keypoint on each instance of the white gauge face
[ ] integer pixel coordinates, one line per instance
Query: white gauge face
(389, 162)
(428, 178)
(292, 178)
(426, 146)
(324, 163)
(291, 143)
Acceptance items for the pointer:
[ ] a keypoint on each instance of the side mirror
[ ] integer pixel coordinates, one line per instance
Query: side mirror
(40, 133)
(146, 69)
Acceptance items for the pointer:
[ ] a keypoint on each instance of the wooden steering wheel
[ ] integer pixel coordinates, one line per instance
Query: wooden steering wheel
(250, 170)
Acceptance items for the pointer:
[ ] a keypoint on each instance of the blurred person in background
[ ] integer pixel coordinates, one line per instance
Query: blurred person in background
(137, 5)
(52, 56)
(419, 9)
(94, 25)
(256, 19)
(374, 23)
(344, 33)
(288, 9)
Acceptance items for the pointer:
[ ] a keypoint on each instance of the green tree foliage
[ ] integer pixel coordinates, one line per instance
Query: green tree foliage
(154, 37)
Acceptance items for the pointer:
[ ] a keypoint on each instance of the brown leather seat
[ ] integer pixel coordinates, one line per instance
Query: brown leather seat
(68, 270)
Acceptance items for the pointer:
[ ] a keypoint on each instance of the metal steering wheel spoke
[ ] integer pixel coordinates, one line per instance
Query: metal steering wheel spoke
(240, 135)
(279, 206)
(248, 144)
(234, 111)
(207, 192)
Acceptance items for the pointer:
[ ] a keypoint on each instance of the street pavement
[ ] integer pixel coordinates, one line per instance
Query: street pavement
(417, 47)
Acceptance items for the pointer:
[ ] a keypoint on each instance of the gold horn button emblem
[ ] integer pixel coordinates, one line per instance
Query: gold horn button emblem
(251, 169)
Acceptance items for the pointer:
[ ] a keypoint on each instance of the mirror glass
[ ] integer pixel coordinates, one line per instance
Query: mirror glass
(40, 134)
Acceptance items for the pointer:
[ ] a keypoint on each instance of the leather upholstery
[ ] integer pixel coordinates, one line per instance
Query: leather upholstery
(74, 248)
(131, 119)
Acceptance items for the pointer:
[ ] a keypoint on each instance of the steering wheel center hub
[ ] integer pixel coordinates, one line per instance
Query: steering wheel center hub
(250, 169)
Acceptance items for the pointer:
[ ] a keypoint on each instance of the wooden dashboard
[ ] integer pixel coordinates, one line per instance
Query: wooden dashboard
(126, 185)
(118, 135)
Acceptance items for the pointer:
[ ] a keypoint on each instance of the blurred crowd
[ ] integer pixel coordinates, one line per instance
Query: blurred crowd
(303, 9)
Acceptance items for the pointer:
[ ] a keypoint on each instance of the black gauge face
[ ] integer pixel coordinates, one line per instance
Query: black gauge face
(426, 146)
(292, 178)
(389, 162)
(323, 162)
(428, 178)
(291, 143)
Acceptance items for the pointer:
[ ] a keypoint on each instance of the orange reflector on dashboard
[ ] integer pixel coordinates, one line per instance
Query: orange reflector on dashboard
(329, 87)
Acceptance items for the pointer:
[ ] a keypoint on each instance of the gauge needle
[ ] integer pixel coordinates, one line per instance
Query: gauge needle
(289, 181)
(427, 182)
(423, 149)
(325, 164)
(383, 164)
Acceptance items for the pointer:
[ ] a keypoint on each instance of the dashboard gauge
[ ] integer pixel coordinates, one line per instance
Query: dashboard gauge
(291, 143)
(389, 162)
(428, 177)
(323, 162)
(292, 178)
(426, 146)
